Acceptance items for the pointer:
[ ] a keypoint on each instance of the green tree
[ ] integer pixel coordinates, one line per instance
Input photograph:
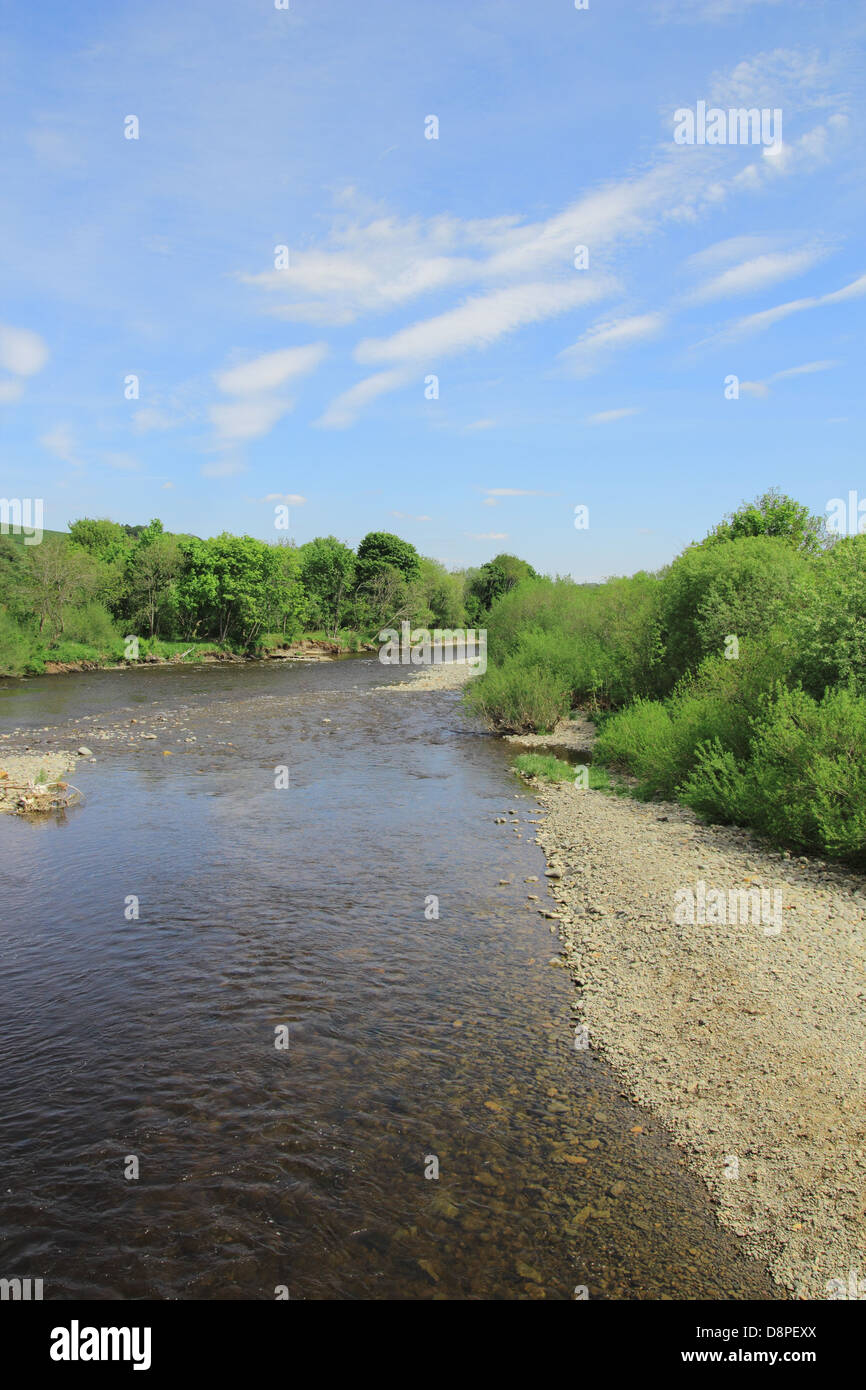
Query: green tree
(379, 549)
(743, 588)
(495, 578)
(289, 606)
(153, 566)
(59, 577)
(773, 514)
(224, 589)
(328, 575)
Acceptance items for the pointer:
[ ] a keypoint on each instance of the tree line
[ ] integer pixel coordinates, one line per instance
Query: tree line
(104, 581)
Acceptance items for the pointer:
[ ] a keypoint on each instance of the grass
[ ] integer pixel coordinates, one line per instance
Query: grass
(547, 768)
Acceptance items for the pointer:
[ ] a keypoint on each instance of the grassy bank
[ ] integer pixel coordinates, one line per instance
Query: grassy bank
(733, 680)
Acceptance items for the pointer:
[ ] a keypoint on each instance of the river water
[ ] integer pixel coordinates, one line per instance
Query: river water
(411, 1038)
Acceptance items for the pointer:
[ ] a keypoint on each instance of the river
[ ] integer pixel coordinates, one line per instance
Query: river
(411, 1037)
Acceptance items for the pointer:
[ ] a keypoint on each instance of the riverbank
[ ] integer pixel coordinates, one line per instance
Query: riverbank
(745, 1038)
(306, 649)
(450, 675)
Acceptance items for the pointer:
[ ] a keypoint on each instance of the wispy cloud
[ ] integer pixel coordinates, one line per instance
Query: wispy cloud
(480, 321)
(766, 318)
(756, 274)
(607, 417)
(257, 410)
(762, 388)
(247, 419)
(272, 370)
(345, 408)
(223, 468)
(21, 351)
(602, 340)
(60, 442)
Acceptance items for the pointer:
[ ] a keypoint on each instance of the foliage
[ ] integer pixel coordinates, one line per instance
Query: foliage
(773, 514)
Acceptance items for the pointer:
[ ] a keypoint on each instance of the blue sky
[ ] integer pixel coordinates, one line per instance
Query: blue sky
(411, 257)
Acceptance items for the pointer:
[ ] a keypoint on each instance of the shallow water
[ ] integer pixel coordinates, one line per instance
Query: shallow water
(409, 1038)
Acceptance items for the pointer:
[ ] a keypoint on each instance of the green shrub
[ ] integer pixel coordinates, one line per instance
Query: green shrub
(742, 587)
(92, 625)
(518, 696)
(828, 621)
(567, 643)
(19, 648)
(804, 782)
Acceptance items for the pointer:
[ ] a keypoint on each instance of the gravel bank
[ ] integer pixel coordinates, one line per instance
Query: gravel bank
(449, 676)
(745, 1037)
(20, 770)
(570, 735)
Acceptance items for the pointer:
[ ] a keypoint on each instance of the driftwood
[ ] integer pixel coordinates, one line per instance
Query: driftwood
(41, 797)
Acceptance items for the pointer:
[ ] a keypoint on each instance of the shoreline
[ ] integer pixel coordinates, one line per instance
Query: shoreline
(305, 649)
(743, 1036)
(746, 1043)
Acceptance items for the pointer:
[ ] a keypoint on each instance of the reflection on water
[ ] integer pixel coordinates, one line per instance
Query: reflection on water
(410, 1037)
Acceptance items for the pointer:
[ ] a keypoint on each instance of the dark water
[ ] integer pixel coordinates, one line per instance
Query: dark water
(408, 1038)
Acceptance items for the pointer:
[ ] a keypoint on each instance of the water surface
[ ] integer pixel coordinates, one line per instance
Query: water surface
(410, 1038)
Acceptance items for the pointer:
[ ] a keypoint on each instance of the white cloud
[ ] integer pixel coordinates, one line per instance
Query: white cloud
(517, 273)
(731, 249)
(345, 408)
(60, 442)
(256, 412)
(406, 516)
(152, 418)
(273, 369)
(289, 499)
(223, 468)
(606, 417)
(21, 351)
(480, 321)
(762, 388)
(488, 535)
(248, 419)
(10, 391)
(603, 339)
(756, 274)
(793, 78)
(756, 323)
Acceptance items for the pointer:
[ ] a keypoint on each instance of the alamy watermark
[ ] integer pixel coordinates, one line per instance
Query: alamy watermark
(441, 646)
(846, 518)
(714, 126)
(22, 516)
(707, 907)
(20, 1290)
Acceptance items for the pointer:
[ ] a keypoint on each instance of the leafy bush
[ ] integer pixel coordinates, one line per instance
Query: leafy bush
(741, 587)
(19, 652)
(517, 696)
(93, 625)
(804, 783)
(828, 621)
